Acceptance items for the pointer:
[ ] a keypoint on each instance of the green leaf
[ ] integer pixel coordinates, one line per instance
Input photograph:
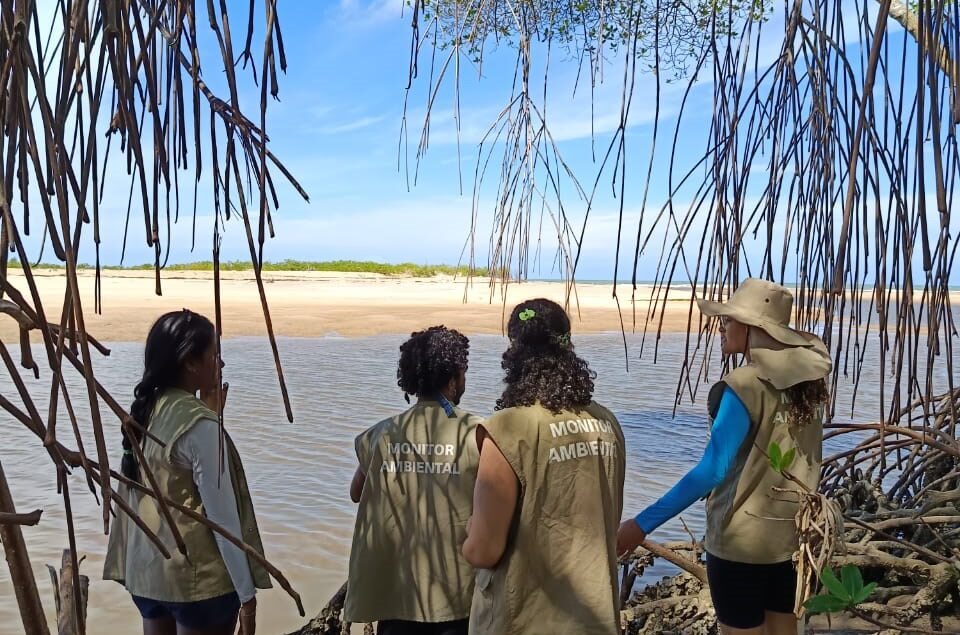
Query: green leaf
(775, 455)
(824, 604)
(788, 458)
(864, 593)
(834, 586)
(852, 580)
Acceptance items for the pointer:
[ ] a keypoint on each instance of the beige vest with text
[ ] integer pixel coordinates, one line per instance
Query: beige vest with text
(134, 561)
(558, 574)
(405, 562)
(747, 519)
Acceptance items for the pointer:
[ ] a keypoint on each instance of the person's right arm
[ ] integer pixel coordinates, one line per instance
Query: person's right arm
(356, 485)
(730, 429)
(494, 503)
(362, 447)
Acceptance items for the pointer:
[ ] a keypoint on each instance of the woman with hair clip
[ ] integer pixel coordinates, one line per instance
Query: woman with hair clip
(179, 400)
(778, 396)
(549, 491)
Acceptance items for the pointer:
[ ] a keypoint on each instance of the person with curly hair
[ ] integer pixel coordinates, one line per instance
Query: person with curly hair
(778, 396)
(549, 491)
(414, 485)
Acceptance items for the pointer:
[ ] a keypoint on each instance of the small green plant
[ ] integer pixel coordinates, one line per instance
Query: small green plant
(845, 593)
(778, 460)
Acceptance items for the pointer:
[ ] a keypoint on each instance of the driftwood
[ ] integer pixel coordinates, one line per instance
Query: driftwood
(71, 609)
(21, 574)
(330, 620)
(30, 519)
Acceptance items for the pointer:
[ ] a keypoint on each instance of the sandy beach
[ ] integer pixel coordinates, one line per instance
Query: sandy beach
(314, 304)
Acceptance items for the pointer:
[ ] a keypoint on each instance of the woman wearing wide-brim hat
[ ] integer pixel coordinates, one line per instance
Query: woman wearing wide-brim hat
(778, 396)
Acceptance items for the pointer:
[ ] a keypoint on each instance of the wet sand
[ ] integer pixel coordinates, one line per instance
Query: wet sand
(314, 304)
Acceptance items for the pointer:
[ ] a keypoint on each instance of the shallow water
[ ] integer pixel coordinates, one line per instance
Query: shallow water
(300, 473)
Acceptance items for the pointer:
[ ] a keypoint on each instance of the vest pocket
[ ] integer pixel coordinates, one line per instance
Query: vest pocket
(483, 613)
(483, 580)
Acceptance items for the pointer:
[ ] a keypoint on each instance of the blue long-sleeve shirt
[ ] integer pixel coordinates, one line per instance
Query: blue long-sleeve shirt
(730, 428)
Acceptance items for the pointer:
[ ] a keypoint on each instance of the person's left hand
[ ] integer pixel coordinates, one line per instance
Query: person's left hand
(629, 537)
(248, 617)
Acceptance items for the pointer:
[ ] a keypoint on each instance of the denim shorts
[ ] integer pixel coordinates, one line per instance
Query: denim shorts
(196, 615)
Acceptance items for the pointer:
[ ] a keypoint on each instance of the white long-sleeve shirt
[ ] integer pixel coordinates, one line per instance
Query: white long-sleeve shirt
(198, 450)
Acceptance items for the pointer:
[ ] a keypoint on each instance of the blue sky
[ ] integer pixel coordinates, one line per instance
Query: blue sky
(337, 127)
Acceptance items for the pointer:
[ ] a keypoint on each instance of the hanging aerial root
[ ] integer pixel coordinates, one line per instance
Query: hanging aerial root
(820, 530)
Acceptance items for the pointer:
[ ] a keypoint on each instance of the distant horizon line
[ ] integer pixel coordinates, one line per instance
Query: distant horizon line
(360, 266)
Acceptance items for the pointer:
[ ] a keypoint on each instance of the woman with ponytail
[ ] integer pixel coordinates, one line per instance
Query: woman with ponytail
(549, 491)
(179, 401)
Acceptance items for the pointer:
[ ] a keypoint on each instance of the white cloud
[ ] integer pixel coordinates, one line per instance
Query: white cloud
(372, 12)
(350, 126)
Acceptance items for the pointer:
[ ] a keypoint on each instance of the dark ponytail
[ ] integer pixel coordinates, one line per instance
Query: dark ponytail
(174, 339)
(540, 363)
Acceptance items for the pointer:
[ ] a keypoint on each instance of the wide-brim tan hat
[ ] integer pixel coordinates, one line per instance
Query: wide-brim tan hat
(762, 304)
(782, 355)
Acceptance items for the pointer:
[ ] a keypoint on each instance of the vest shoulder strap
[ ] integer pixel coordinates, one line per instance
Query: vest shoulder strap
(182, 410)
(748, 386)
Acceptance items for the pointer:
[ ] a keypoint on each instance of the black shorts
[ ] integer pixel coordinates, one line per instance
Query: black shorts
(743, 593)
(401, 627)
(195, 615)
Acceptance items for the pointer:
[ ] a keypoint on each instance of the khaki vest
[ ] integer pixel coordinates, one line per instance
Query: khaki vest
(558, 574)
(134, 561)
(743, 512)
(405, 562)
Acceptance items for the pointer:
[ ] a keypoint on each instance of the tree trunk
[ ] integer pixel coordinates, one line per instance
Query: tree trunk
(910, 21)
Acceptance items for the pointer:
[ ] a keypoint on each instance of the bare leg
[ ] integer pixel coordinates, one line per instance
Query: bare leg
(160, 626)
(780, 623)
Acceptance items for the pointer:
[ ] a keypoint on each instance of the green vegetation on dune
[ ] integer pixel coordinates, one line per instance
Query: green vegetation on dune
(345, 266)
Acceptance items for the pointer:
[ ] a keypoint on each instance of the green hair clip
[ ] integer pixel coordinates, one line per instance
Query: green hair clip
(563, 340)
(526, 314)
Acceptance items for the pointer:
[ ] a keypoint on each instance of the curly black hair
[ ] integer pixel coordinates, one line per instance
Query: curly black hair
(430, 359)
(540, 363)
(806, 398)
